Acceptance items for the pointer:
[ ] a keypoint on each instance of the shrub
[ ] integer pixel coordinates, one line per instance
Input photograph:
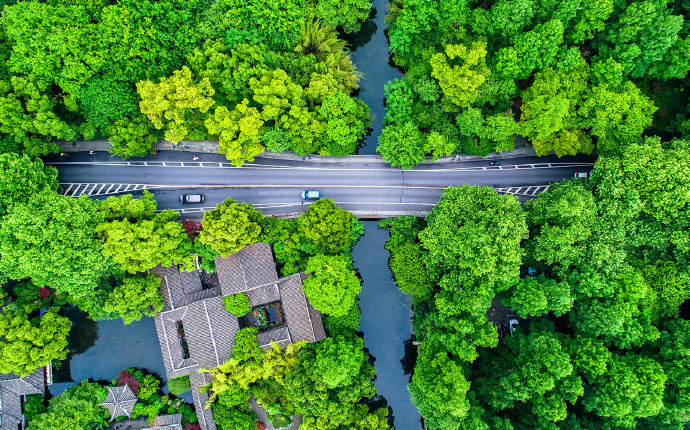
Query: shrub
(342, 325)
(33, 406)
(179, 385)
(148, 387)
(237, 304)
(126, 377)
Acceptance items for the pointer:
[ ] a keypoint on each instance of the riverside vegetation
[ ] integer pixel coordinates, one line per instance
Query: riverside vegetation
(600, 345)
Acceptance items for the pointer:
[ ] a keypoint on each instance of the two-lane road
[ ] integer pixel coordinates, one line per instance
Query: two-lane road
(274, 186)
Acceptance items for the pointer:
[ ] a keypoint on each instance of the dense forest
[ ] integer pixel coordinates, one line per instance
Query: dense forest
(573, 76)
(253, 75)
(594, 269)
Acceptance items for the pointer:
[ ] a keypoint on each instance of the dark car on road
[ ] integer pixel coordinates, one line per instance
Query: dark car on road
(192, 198)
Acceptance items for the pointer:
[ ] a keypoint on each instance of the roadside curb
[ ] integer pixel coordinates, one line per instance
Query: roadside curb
(209, 146)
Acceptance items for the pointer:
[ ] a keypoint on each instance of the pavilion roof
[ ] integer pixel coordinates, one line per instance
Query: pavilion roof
(120, 401)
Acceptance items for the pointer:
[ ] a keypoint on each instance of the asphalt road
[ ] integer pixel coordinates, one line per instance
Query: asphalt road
(274, 186)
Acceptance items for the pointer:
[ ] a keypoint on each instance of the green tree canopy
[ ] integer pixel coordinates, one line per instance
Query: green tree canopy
(238, 132)
(476, 233)
(135, 298)
(21, 178)
(321, 407)
(460, 83)
(561, 221)
(176, 102)
(237, 304)
(327, 228)
(348, 14)
(132, 137)
(29, 343)
(76, 408)
(439, 389)
(51, 240)
(230, 227)
(126, 207)
(402, 145)
(632, 388)
(139, 246)
(332, 285)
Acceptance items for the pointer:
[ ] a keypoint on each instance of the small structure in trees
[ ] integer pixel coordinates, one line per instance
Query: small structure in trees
(120, 401)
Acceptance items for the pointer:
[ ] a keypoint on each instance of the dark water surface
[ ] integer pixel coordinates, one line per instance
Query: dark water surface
(386, 325)
(370, 55)
(101, 350)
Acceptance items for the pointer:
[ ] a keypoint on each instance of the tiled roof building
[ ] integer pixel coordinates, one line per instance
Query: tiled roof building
(167, 422)
(12, 389)
(195, 331)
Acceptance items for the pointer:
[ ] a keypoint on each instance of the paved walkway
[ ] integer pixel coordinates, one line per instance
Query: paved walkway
(209, 146)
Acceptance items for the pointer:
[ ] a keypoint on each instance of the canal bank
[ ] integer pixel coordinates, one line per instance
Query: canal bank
(386, 324)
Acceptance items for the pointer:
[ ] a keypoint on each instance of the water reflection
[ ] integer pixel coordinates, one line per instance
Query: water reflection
(372, 61)
(410, 358)
(364, 35)
(386, 325)
(101, 350)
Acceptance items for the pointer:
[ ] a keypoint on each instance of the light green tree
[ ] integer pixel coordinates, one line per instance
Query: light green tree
(238, 132)
(51, 240)
(139, 246)
(28, 343)
(346, 122)
(76, 408)
(132, 137)
(327, 228)
(175, 102)
(402, 145)
(349, 13)
(332, 285)
(476, 233)
(439, 389)
(135, 298)
(460, 72)
(230, 227)
(22, 177)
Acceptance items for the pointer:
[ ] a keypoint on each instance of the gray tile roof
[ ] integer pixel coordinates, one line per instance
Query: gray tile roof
(179, 289)
(280, 335)
(209, 331)
(304, 322)
(12, 388)
(262, 416)
(262, 295)
(205, 415)
(166, 422)
(251, 267)
(120, 401)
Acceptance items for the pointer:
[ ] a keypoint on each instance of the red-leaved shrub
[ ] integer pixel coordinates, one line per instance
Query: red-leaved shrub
(126, 377)
(191, 227)
(260, 426)
(44, 292)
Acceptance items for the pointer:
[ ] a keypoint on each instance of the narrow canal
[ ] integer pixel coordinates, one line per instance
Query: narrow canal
(386, 313)
(370, 55)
